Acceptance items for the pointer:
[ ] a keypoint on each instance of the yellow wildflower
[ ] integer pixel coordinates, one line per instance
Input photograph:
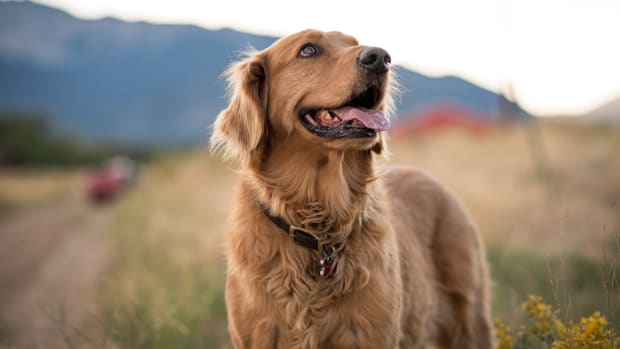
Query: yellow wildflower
(547, 331)
(541, 313)
(504, 334)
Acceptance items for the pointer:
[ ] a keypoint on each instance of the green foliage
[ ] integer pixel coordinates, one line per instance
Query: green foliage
(576, 284)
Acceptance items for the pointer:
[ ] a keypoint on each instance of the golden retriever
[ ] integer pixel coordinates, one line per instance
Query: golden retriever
(324, 251)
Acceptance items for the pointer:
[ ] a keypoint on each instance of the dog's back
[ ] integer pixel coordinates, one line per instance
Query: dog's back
(442, 263)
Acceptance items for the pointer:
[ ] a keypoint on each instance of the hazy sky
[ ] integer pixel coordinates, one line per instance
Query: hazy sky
(561, 56)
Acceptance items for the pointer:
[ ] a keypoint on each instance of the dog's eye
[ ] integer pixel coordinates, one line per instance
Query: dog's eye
(308, 50)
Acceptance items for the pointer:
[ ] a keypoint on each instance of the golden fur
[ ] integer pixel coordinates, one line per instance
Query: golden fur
(411, 268)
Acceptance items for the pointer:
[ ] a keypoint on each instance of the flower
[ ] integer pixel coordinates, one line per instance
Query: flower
(504, 334)
(542, 314)
(547, 331)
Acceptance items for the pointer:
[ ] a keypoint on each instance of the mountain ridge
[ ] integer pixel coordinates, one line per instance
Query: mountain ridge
(607, 113)
(109, 79)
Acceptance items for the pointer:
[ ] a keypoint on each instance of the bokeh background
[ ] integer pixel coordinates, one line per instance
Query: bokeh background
(113, 211)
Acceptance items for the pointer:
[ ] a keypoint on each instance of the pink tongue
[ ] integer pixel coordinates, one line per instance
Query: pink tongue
(372, 119)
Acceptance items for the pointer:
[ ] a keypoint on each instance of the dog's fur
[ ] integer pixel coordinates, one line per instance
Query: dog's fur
(410, 264)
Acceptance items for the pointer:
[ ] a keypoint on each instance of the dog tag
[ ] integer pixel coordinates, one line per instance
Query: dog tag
(326, 268)
(327, 262)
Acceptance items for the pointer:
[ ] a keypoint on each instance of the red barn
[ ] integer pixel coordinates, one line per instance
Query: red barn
(444, 115)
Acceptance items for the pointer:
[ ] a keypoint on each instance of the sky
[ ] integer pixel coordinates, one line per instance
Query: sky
(559, 57)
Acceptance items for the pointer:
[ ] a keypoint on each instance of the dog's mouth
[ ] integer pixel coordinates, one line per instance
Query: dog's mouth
(357, 118)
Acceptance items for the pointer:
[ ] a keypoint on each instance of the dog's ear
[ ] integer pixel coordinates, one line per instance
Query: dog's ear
(240, 127)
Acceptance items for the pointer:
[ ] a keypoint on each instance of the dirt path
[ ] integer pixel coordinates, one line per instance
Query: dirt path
(50, 261)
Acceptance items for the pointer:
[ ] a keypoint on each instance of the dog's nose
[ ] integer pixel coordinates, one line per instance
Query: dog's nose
(374, 59)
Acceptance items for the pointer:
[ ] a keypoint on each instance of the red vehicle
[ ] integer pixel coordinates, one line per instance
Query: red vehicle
(108, 181)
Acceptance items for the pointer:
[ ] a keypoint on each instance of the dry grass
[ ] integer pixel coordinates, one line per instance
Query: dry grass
(165, 288)
(550, 226)
(551, 234)
(31, 187)
(499, 182)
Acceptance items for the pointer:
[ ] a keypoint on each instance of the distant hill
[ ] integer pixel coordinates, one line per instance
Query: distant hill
(421, 91)
(608, 113)
(138, 82)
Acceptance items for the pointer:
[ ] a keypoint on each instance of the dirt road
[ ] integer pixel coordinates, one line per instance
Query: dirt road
(50, 261)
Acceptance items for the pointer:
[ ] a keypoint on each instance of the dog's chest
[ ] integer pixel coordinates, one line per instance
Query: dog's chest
(339, 311)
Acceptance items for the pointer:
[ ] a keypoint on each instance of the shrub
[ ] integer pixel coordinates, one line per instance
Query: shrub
(545, 330)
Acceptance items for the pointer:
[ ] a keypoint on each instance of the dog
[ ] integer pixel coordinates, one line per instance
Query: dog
(325, 250)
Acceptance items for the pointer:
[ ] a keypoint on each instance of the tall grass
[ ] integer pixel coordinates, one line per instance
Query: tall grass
(573, 284)
(165, 287)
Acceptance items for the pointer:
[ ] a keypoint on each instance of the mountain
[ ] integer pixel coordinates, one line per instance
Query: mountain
(138, 82)
(109, 79)
(608, 113)
(420, 91)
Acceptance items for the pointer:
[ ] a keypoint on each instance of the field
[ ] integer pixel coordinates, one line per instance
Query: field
(27, 188)
(546, 198)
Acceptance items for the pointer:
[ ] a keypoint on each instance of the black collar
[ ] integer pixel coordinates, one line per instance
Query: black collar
(307, 239)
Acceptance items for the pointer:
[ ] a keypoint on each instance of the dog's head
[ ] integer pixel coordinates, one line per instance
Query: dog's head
(319, 88)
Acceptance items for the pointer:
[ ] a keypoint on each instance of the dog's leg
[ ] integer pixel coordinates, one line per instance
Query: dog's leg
(465, 326)
(461, 266)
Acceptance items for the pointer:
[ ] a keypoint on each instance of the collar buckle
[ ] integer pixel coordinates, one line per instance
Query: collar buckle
(306, 238)
(309, 240)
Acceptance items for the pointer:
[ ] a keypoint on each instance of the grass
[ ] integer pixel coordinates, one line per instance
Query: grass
(165, 288)
(553, 235)
(499, 183)
(573, 283)
(20, 188)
